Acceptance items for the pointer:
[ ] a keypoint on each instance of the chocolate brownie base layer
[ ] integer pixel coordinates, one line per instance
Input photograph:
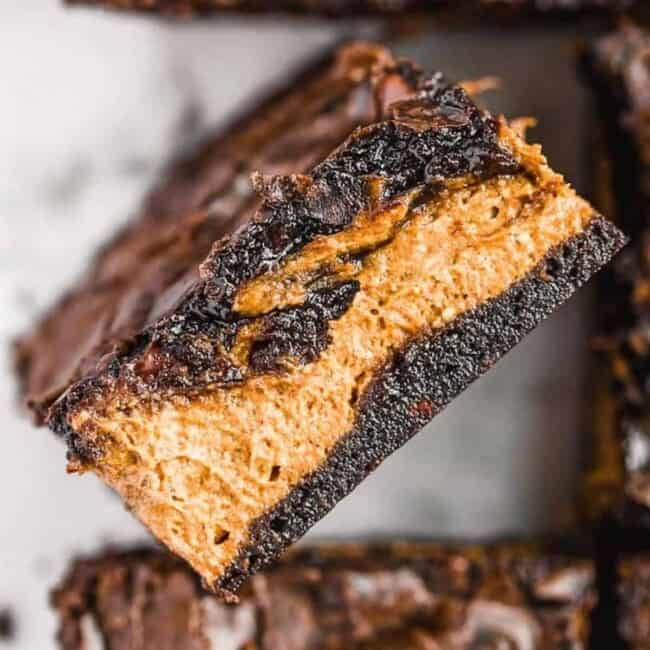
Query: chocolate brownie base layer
(418, 383)
(335, 597)
(316, 339)
(343, 8)
(618, 484)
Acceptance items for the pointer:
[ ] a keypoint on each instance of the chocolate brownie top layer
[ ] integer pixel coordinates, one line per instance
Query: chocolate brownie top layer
(342, 8)
(402, 595)
(142, 272)
(618, 67)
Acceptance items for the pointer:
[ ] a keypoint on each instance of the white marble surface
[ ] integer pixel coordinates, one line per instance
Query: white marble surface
(89, 106)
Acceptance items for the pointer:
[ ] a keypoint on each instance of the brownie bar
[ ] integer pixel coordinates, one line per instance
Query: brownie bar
(339, 597)
(202, 196)
(343, 8)
(619, 481)
(313, 342)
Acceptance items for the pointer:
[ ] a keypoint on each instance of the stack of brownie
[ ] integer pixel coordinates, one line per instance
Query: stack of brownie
(299, 297)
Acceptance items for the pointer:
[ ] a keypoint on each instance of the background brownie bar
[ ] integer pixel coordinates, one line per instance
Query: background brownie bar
(203, 196)
(269, 381)
(634, 602)
(619, 481)
(185, 8)
(339, 597)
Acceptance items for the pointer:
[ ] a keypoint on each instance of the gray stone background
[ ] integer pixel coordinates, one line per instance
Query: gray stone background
(91, 105)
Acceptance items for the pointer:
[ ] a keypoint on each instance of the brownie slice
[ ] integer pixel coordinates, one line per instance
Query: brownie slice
(618, 67)
(273, 377)
(343, 8)
(340, 597)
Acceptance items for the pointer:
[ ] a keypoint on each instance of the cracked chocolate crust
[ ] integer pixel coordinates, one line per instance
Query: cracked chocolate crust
(344, 8)
(204, 195)
(418, 383)
(618, 484)
(434, 136)
(337, 596)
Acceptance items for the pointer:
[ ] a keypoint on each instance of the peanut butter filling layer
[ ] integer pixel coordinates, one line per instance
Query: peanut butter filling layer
(200, 470)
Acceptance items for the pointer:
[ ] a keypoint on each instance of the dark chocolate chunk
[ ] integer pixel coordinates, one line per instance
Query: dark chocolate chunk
(299, 334)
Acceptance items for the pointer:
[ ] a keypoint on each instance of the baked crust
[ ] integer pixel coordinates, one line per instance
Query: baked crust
(339, 596)
(313, 342)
